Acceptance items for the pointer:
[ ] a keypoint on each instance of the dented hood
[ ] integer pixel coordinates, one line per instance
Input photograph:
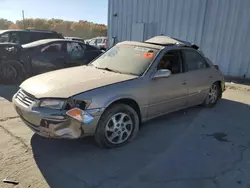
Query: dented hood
(71, 81)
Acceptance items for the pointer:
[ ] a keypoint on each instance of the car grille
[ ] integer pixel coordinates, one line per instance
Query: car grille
(24, 98)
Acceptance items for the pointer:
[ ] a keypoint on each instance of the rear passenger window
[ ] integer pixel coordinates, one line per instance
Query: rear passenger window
(34, 36)
(52, 48)
(193, 60)
(25, 37)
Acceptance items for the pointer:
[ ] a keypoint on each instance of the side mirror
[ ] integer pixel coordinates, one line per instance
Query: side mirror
(162, 73)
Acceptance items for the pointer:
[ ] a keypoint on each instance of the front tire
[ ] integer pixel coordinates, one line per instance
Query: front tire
(213, 95)
(117, 126)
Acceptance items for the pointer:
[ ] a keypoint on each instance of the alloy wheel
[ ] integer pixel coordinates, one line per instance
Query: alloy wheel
(213, 94)
(119, 128)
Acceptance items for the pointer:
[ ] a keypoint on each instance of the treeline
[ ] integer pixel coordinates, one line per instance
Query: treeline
(83, 29)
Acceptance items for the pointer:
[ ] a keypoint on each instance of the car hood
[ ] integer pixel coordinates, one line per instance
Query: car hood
(71, 81)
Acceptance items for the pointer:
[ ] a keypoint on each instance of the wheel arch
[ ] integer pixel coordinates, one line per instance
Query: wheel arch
(128, 101)
(221, 87)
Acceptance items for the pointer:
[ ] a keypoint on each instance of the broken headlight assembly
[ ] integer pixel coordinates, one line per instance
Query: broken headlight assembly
(76, 110)
(73, 103)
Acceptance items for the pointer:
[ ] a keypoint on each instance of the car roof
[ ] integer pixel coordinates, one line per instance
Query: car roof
(73, 38)
(142, 44)
(98, 38)
(162, 40)
(170, 41)
(46, 41)
(28, 30)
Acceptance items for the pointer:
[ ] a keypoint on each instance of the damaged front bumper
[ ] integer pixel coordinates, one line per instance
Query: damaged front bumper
(56, 123)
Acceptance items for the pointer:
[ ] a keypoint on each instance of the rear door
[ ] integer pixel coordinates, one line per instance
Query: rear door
(199, 76)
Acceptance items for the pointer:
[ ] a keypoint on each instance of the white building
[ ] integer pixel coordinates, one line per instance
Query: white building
(220, 27)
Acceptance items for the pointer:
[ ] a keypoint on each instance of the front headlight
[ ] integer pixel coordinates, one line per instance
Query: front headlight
(52, 103)
(74, 103)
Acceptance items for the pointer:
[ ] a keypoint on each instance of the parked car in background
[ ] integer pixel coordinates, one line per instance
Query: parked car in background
(100, 42)
(9, 66)
(75, 39)
(27, 36)
(131, 83)
(43, 56)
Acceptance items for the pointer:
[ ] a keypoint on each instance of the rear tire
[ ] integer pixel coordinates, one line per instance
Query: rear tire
(118, 125)
(214, 94)
(11, 72)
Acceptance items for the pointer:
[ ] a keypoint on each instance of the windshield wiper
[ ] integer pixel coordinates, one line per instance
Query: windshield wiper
(108, 69)
(112, 70)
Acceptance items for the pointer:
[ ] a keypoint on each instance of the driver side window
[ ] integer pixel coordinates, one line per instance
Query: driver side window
(171, 61)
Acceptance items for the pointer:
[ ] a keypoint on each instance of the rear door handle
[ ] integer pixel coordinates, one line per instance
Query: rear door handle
(210, 76)
(184, 83)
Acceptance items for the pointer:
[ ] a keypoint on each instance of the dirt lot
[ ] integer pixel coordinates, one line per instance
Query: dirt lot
(193, 148)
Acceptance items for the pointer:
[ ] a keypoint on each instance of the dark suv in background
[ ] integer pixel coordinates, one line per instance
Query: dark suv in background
(10, 49)
(27, 36)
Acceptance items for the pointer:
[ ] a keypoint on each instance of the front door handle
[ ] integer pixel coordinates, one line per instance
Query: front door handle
(210, 76)
(184, 83)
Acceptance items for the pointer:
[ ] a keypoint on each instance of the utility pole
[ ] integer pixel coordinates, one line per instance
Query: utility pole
(23, 19)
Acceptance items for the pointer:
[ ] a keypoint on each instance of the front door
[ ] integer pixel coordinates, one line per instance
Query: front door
(171, 93)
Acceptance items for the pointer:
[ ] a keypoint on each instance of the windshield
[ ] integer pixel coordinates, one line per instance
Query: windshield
(126, 59)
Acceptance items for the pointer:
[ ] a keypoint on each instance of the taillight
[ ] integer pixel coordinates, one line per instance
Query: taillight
(217, 67)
